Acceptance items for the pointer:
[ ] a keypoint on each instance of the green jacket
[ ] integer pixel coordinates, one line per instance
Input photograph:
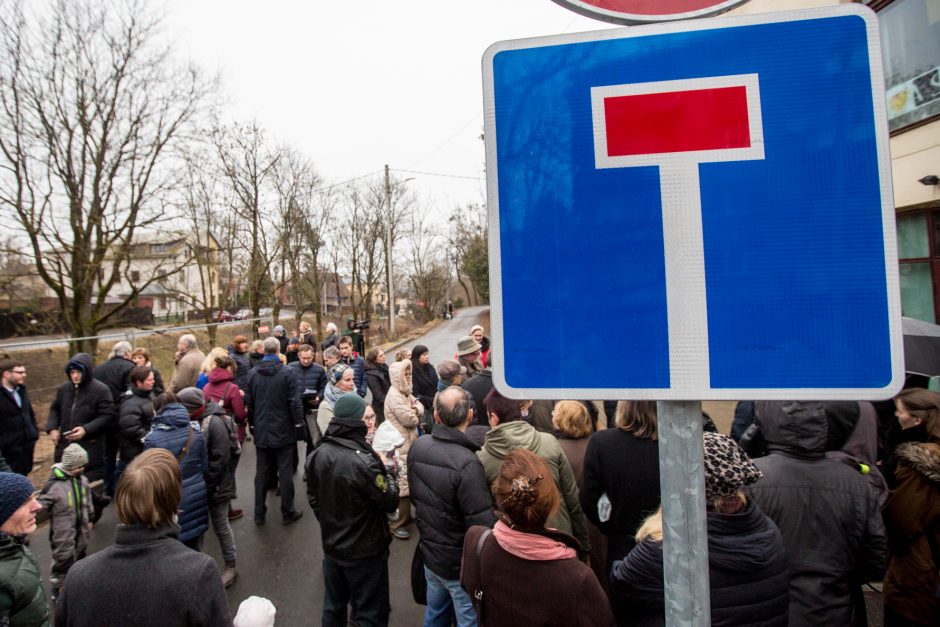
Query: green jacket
(22, 599)
(519, 434)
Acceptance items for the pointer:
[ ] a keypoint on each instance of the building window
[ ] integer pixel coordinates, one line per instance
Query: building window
(919, 254)
(910, 42)
(135, 276)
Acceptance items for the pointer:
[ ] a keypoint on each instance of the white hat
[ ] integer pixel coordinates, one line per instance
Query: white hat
(387, 438)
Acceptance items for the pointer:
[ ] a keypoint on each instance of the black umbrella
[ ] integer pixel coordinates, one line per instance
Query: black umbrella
(921, 347)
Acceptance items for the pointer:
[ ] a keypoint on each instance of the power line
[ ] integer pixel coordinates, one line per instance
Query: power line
(452, 176)
(448, 140)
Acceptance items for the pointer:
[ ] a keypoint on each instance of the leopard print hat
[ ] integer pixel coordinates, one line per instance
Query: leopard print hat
(727, 467)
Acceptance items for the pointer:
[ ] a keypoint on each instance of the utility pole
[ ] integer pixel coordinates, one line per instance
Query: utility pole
(388, 257)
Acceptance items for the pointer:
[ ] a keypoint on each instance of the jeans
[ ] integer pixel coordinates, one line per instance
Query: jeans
(443, 595)
(218, 514)
(363, 584)
(268, 459)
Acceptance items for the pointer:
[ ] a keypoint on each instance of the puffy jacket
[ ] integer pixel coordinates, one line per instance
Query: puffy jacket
(171, 429)
(69, 499)
(358, 365)
(747, 572)
(404, 413)
(379, 383)
(135, 417)
(223, 390)
(22, 599)
(826, 510)
(88, 404)
(274, 410)
(311, 380)
(519, 434)
(449, 490)
(350, 493)
(912, 517)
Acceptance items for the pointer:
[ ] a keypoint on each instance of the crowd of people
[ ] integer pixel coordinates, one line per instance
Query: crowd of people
(527, 512)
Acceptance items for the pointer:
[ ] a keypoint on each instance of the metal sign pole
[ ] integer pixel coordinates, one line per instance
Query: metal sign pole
(685, 542)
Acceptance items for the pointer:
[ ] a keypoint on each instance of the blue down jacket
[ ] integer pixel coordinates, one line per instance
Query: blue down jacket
(170, 431)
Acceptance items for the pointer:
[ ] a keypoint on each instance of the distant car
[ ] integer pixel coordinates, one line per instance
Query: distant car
(266, 311)
(221, 316)
(242, 314)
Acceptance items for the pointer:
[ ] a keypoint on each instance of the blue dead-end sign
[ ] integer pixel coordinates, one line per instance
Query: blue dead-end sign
(696, 210)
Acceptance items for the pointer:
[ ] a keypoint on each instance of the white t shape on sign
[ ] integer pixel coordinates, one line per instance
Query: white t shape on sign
(677, 125)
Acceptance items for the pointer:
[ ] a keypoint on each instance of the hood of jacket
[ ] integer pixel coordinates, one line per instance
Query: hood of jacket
(83, 362)
(794, 428)
(922, 457)
(745, 541)
(512, 435)
(220, 375)
(268, 368)
(173, 416)
(399, 374)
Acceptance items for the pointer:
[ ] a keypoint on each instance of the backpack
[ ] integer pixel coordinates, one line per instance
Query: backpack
(229, 421)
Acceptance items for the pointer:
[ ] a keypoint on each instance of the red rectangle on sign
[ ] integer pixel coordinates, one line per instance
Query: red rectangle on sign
(677, 121)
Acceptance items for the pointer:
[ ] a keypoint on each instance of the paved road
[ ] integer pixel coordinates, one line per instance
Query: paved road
(284, 563)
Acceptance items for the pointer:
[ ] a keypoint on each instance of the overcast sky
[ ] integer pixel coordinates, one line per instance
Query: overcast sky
(356, 85)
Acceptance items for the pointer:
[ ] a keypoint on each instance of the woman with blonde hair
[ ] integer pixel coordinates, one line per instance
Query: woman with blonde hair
(306, 335)
(747, 561)
(141, 357)
(521, 572)
(208, 364)
(620, 485)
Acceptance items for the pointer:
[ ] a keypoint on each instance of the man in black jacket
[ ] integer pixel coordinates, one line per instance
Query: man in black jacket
(114, 373)
(18, 431)
(351, 494)
(448, 487)
(275, 417)
(82, 409)
(135, 416)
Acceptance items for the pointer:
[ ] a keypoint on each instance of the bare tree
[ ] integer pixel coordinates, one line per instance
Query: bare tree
(247, 162)
(92, 111)
(467, 240)
(429, 271)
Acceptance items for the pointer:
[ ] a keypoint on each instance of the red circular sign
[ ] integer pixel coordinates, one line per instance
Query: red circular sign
(648, 11)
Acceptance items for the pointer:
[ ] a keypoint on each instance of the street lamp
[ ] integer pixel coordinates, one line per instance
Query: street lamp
(388, 253)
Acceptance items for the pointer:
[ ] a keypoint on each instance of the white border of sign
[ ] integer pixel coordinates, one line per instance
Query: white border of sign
(887, 202)
(622, 17)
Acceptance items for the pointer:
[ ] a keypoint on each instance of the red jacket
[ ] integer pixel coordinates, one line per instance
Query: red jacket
(222, 389)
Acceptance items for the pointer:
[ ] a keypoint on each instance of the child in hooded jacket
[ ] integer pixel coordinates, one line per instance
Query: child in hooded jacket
(67, 496)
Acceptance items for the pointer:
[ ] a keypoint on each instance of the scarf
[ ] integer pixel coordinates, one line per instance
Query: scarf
(531, 546)
(332, 393)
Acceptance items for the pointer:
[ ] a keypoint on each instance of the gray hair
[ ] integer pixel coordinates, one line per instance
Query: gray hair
(453, 406)
(121, 349)
(331, 352)
(271, 346)
(190, 340)
(330, 327)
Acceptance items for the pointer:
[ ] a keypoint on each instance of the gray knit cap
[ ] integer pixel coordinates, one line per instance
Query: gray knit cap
(74, 456)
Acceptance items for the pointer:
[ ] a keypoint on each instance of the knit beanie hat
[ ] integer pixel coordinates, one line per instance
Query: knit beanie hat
(727, 467)
(191, 398)
(15, 489)
(74, 456)
(349, 407)
(336, 372)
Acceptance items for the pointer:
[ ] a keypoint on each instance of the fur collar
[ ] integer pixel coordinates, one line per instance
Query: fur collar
(922, 457)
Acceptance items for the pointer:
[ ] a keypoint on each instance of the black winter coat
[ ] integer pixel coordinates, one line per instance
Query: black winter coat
(18, 430)
(350, 493)
(88, 404)
(747, 572)
(147, 578)
(220, 476)
(115, 374)
(274, 409)
(379, 384)
(626, 468)
(448, 486)
(243, 365)
(827, 512)
(424, 386)
(311, 381)
(135, 417)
